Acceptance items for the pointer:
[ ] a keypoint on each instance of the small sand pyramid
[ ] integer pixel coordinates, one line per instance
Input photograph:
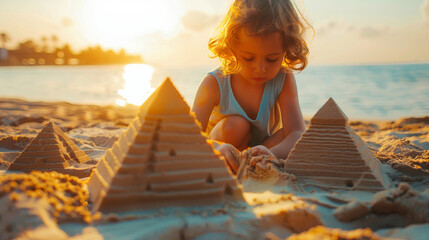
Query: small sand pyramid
(50, 150)
(162, 159)
(331, 155)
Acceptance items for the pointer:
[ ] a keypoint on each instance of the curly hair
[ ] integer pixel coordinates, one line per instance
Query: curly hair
(258, 18)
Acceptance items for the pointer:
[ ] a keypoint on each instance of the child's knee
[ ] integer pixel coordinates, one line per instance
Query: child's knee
(232, 129)
(236, 125)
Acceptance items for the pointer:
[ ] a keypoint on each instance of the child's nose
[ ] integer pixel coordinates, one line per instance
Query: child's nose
(260, 67)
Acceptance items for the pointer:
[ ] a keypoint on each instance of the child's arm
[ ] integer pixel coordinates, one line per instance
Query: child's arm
(292, 119)
(206, 98)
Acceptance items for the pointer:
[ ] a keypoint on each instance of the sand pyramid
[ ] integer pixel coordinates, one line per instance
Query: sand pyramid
(50, 150)
(162, 159)
(331, 155)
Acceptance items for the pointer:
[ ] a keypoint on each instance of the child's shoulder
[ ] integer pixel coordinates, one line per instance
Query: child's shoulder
(218, 73)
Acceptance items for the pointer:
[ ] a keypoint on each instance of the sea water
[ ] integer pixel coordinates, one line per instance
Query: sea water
(378, 92)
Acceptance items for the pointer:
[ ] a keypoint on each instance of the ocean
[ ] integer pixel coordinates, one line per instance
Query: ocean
(374, 92)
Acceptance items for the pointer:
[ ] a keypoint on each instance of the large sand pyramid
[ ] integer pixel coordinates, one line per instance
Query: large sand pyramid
(50, 150)
(162, 159)
(331, 155)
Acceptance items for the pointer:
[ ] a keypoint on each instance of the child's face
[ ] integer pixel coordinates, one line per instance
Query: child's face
(260, 56)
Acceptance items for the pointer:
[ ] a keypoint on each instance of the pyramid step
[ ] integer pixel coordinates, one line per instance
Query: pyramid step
(327, 136)
(328, 160)
(166, 177)
(136, 159)
(180, 138)
(29, 157)
(323, 151)
(185, 155)
(80, 156)
(117, 151)
(46, 135)
(111, 159)
(327, 127)
(105, 170)
(186, 128)
(195, 147)
(358, 188)
(147, 127)
(175, 118)
(40, 166)
(47, 141)
(325, 130)
(144, 137)
(317, 142)
(187, 164)
(40, 160)
(137, 149)
(134, 168)
(334, 173)
(97, 188)
(337, 154)
(345, 182)
(179, 186)
(321, 166)
(41, 147)
(151, 199)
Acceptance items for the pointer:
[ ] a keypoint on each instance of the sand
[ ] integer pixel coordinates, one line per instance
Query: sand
(53, 205)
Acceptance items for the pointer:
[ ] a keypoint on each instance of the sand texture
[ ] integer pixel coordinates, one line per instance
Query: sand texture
(330, 154)
(161, 159)
(278, 204)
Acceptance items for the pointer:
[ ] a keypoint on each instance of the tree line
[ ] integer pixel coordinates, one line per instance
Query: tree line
(48, 52)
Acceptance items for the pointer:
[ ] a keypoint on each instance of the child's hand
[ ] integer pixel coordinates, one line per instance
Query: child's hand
(229, 152)
(260, 149)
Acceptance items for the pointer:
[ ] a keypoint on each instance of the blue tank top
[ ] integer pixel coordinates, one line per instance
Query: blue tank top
(268, 119)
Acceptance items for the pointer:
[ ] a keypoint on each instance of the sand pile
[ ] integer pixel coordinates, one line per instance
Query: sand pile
(263, 170)
(412, 206)
(260, 168)
(403, 144)
(66, 195)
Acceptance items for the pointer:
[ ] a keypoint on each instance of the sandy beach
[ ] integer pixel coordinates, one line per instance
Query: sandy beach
(275, 208)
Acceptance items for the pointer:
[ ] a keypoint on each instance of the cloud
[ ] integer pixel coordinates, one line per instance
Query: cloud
(197, 21)
(425, 10)
(339, 27)
(373, 32)
(327, 28)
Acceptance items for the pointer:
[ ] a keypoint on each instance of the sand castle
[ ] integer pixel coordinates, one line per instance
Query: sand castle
(50, 150)
(331, 155)
(162, 159)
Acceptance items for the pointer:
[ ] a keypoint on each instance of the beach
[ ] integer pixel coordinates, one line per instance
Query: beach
(274, 208)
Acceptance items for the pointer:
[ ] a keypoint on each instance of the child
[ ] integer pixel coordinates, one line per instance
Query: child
(252, 100)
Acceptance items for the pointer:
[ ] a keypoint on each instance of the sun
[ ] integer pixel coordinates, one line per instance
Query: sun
(114, 23)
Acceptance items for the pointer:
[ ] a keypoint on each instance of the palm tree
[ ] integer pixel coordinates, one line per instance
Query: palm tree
(54, 39)
(4, 39)
(45, 45)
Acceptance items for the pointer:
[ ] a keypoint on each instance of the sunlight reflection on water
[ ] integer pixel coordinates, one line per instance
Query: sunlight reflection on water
(137, 87)
(362, 92)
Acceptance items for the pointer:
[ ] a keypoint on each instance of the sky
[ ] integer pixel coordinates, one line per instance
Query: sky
(175, 33)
